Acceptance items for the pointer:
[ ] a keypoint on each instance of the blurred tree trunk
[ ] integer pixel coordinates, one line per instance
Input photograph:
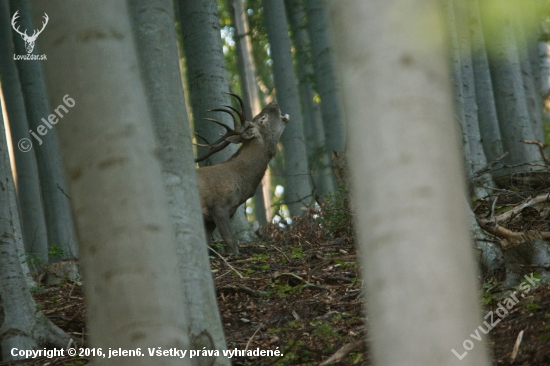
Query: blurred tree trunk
(249, 86)
(133, 286)
(297, 187)
(510, 98)
(59, 222)
(319, 162)
(207, 78)
(403, 153)
(21, 324)
(153, 25)
(526, 38)
(27, 182)
(464, 85)
(487, 112)
(325, 76)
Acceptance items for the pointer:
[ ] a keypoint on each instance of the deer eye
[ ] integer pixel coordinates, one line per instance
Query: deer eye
(263, 120)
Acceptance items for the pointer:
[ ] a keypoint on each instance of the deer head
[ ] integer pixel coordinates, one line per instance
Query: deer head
(29, 40)
(266, 128)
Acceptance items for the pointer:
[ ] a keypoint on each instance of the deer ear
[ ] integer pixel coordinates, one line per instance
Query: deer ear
(250, 133)
(235, 139)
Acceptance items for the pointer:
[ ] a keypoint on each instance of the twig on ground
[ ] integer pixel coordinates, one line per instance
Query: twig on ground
(342, 352)
(226, 262)
(250, 339)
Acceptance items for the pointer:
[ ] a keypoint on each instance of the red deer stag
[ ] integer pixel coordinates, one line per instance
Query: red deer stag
(226, 186)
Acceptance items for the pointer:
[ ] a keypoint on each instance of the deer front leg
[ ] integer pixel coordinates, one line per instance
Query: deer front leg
(223, 223)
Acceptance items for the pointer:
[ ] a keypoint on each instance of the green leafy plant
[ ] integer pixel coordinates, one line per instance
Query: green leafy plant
(336, 215)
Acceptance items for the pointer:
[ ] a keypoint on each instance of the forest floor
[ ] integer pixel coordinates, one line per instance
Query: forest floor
(298, 290)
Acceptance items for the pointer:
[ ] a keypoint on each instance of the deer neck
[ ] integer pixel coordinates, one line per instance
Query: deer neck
(251, 161)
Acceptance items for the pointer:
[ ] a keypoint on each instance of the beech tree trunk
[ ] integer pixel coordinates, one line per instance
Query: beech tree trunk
(318, 159)
(486, 112)
(207, 78)
(57, 211)
(22, 326)
(153, 25)
(464, 84)
(510, 98)
(128, 252)
(407, 185)
(249, 86)
(297, 187)
(27, 183)
(325, 76)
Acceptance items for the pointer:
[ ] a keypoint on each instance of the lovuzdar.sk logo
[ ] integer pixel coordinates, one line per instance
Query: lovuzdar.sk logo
(29, 40)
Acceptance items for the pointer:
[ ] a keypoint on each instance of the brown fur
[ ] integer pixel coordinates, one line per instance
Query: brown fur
(224, 187)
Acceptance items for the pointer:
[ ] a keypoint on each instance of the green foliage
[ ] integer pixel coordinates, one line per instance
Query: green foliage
(296, 253)
(532, 307)
(336, 215)
(486, 297)
(55, 253)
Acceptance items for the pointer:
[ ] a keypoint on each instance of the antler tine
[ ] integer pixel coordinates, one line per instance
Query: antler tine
(220, 123)
(230, 132)
(211, 151)
(242, 113)
(228, 112)
(238, 113)
(202, 138)
(15, 16)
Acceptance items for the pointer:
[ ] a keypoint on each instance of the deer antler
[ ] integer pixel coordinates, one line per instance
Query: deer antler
(222, 142)
(13, 19)
(36, 33)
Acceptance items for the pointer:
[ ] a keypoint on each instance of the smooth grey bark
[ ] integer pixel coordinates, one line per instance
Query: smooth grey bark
(524, 39)
(128, 252)
(510, 99)
(487, 112)
(207, 79)
(318, 159)
(21, 324)
(392, 59)
(249, 87)
(544, 62)
(53, 186)
(155, 36)
(475, 158)
(297, 187)
(28, 186)
(325, 76)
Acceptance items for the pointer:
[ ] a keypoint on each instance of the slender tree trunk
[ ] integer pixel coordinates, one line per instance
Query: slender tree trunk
(319, 162)
(207, 78)
(247, 77)
(48, 154)
(154, 31)
(325, 76)
(476, 159)
(128, 255)
(403, 152)
(28, 186)
(533, 100)
(510, 99)
(22, 326)
(297, 186)
(487, 112)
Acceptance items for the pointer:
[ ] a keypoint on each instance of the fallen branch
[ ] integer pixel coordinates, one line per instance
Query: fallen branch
(517, 210)
(511, 239)
(541, 148)
(342, 353)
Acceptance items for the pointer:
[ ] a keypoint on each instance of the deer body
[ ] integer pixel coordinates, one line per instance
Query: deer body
(226, 186)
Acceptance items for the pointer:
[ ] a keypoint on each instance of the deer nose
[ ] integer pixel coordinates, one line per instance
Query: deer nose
(285, 118)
